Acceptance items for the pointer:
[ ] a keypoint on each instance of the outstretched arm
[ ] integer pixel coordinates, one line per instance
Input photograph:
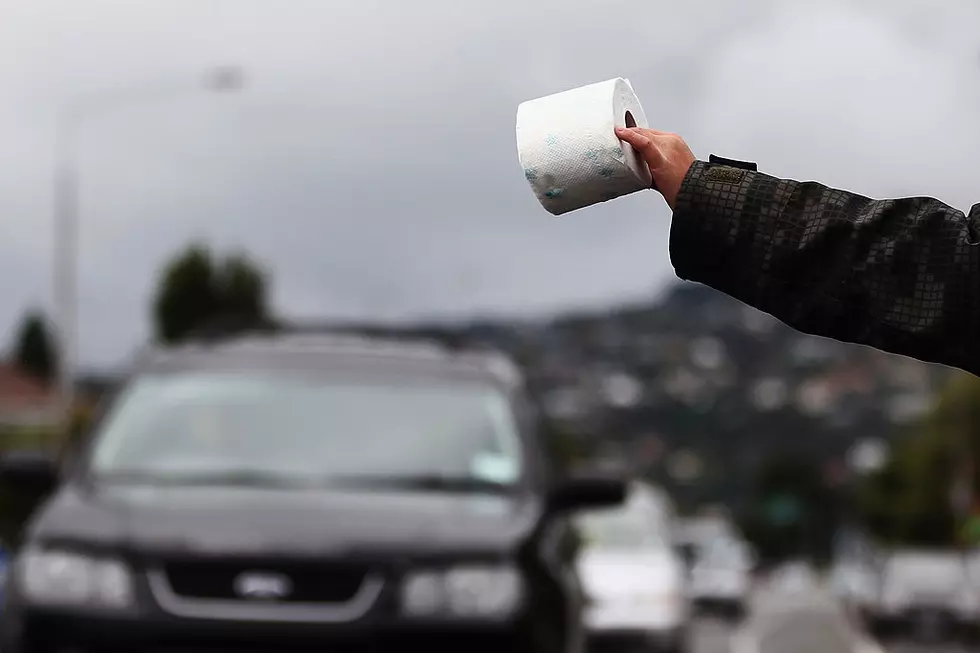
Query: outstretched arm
(901, 275)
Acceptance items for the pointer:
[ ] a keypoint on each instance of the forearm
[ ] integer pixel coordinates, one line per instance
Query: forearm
(900, 275)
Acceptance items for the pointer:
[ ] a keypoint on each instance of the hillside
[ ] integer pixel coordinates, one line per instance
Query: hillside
(701, 389)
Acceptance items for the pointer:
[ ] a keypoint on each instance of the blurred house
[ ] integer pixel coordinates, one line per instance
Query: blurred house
(25, 401)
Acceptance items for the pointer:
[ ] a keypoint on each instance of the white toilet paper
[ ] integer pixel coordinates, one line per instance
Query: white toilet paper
(569, 150)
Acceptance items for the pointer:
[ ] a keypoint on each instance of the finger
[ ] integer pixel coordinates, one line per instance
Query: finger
(635, 137)
(643, 144)
(655, 132)
(648, 132)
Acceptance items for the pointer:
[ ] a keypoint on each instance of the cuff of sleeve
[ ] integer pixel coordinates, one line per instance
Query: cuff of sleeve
(705, 224)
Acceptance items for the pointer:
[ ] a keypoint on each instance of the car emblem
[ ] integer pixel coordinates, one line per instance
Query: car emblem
(263, 586)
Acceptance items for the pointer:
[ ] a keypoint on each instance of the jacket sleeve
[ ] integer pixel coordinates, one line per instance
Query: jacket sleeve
(900, 275)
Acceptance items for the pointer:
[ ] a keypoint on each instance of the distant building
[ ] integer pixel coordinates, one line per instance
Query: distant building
(868, 455)
(708, 353)
(567, 403)
(685, 466)
(769, 394)
(816, 398)
(621, 390)
(909, 406)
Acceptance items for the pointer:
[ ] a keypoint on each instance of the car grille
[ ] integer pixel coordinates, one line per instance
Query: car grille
(314, 582)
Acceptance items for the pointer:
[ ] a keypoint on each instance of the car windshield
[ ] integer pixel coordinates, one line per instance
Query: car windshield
(725, 553)
(268, 429)
(688, 552)
(620, 529)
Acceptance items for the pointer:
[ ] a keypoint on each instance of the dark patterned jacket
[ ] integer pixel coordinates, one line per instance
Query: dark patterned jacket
(901, 275)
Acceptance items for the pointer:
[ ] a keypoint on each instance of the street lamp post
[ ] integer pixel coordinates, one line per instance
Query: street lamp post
(65, 265)
(66, 205)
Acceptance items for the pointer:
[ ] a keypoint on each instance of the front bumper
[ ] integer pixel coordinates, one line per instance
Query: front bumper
(674, 640)
(729, 600)
(54, 632)
(653, 620)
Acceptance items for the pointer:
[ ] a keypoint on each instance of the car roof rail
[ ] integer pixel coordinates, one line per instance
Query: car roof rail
(430, 340)
(225, 327)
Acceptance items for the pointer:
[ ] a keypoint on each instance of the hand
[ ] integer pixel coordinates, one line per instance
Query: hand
(666, 154)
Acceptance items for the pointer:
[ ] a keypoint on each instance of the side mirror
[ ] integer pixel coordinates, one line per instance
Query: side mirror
(582, 492)
(31, 472)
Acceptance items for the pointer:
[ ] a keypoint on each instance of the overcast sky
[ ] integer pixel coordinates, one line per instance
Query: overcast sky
(371, 163)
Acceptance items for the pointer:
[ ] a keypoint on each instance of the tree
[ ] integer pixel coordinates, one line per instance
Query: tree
(241, 290)
(186, 295)
(196, 291)
(793, 511)
(909, 501)
(34, 350)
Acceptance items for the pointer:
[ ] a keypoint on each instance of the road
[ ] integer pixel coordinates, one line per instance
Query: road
(909, 647)
(800, 616)
(790, 617)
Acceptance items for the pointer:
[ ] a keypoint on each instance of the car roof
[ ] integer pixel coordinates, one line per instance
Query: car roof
(329, 351)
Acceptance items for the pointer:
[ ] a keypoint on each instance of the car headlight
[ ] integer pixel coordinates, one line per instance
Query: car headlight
(480, 592)
(62, 578)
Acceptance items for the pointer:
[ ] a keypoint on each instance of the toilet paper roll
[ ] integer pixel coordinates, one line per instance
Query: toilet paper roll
(568, 147)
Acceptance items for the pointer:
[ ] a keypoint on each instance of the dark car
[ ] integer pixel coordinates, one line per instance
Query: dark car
(4, 562)
(279, 493)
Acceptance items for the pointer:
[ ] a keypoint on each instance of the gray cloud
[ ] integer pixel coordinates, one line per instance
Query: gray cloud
(371, 162)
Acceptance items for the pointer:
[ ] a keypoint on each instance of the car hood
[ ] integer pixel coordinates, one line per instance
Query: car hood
(247, 521)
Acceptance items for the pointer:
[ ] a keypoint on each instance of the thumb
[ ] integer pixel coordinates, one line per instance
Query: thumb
(641, 140)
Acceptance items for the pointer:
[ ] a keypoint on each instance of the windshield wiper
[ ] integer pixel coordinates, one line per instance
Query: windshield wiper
(422, 482)
(264, 479)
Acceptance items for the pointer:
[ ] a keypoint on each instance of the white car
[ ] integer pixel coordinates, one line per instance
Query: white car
(721, 579)
(633, 581)
(927, 591)
(856, 584)
(693, 537)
